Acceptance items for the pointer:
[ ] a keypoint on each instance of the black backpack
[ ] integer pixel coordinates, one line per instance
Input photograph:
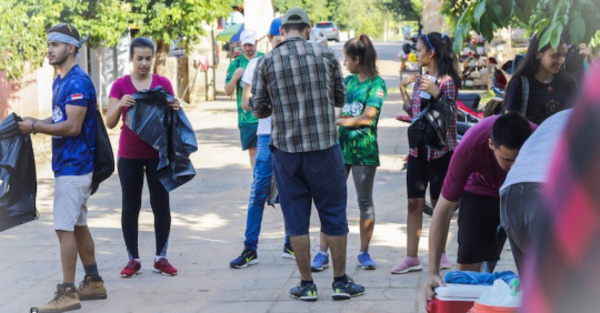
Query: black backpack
(104, 159)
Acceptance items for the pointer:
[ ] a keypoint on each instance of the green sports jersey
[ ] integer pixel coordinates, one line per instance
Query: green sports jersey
(244, 117)
(359, 144)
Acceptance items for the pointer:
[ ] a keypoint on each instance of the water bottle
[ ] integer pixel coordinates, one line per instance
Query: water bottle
(424, 94)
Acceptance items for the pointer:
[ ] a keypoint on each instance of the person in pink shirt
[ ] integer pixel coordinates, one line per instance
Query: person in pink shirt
(477, 170)
(136, 157)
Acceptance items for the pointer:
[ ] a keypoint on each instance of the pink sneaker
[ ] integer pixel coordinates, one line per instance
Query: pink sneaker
(164, 267)
(444, 263)
(408, 264)
(133, 268)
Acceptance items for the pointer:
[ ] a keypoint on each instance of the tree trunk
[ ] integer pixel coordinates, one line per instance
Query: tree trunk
(100, 91)
(160, 60)
(183, 76)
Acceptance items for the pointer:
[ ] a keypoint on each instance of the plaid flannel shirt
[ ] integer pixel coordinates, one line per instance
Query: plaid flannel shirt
(561, 273)
(299, 84)
(447, 86)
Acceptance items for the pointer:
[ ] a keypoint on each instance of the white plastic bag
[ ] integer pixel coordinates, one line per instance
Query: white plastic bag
(502, 295)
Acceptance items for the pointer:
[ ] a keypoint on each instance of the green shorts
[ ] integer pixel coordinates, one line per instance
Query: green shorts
(248, 135)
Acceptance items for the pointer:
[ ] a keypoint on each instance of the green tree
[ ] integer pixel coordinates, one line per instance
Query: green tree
(318, 10)
(408, 10)
(580, 17)
(167, 20)
(23, 25)
(453, 9)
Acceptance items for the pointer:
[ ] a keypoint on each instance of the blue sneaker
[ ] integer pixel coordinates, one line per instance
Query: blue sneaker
(248, 257)
(320, 262)
(306, 293)
(365, 261)
(343, 291)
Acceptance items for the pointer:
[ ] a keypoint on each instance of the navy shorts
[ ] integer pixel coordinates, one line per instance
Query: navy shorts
(248, 135)
(305, 177)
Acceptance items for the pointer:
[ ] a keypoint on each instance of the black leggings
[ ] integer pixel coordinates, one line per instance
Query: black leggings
(131, 174)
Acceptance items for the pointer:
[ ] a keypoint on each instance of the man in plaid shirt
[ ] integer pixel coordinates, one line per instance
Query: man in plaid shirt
(562, 273)
(299, 84)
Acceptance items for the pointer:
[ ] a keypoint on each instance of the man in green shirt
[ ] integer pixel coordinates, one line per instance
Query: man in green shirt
(247, 123)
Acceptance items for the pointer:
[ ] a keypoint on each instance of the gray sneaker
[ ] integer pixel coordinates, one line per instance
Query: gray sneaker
(343, 291)
(306, 293)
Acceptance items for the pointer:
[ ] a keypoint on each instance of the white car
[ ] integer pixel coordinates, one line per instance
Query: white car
(317, 37)
(329, 30)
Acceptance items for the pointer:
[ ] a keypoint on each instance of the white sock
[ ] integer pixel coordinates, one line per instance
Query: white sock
(158, 257)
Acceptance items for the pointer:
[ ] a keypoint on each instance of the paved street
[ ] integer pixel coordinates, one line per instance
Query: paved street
(208, 221)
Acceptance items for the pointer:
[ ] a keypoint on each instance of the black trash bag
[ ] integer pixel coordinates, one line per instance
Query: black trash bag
(104, 158)
(18, 185)
(273, 197)
(430, 125)
(166, 130)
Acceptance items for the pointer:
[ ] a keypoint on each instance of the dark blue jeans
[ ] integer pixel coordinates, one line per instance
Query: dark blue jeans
(263, 170)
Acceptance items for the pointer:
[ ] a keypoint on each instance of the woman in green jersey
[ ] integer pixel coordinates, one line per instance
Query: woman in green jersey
(365, 94)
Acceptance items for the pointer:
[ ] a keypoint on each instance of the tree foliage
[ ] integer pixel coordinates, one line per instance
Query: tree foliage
(408, 10)
(23, 24)
(176, 19)
(318, 10)
(581, 18)
(167, 20)
(453, 9)
(362, 16)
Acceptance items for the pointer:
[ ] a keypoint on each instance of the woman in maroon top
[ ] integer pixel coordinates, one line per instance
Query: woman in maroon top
(428, 166)
(136, 157)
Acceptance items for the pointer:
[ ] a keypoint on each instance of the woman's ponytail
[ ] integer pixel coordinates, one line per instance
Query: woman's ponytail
(447, 60)
(362, 47)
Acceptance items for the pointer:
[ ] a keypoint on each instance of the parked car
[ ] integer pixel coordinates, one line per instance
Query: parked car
(317, 36)
(329, 30)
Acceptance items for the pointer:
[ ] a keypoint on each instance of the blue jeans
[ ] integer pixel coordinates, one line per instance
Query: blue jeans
(261, 185)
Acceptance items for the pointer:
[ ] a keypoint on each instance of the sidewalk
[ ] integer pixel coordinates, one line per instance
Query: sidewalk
(208, 220)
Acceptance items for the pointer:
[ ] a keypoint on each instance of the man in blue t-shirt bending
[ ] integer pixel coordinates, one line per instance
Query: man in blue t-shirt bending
(73, 130)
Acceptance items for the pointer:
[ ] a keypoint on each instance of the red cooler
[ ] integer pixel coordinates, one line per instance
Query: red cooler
(455, 298)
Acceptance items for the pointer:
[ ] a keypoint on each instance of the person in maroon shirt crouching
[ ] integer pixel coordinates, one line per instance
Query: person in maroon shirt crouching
(477, 170)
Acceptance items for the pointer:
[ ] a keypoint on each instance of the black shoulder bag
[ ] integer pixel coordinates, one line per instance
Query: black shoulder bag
(431, 124)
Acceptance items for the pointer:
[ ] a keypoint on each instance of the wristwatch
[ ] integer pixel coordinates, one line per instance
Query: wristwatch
(33, 128)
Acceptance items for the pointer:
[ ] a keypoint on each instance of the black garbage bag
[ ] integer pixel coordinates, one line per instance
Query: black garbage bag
(430, 125)
(18, 185)
(168, 131)
(104, 159)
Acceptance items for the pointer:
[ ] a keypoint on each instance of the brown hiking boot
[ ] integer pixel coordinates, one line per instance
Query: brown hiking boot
(65, 299)
(91, 289)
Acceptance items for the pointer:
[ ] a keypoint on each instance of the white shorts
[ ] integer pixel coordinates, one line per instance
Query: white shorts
(70, 201)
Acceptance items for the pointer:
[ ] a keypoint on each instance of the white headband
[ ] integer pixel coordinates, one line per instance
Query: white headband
(60, 37)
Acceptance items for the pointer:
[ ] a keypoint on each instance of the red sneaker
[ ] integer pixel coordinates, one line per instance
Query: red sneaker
(163, 266)
(133, 268)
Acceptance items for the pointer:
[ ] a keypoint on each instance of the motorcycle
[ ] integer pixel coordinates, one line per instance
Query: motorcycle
(496, 105)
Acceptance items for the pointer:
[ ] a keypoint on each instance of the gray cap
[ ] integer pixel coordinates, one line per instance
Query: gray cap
(295, 16)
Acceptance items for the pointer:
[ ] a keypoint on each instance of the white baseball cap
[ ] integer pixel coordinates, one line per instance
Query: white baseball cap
(248, 36)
